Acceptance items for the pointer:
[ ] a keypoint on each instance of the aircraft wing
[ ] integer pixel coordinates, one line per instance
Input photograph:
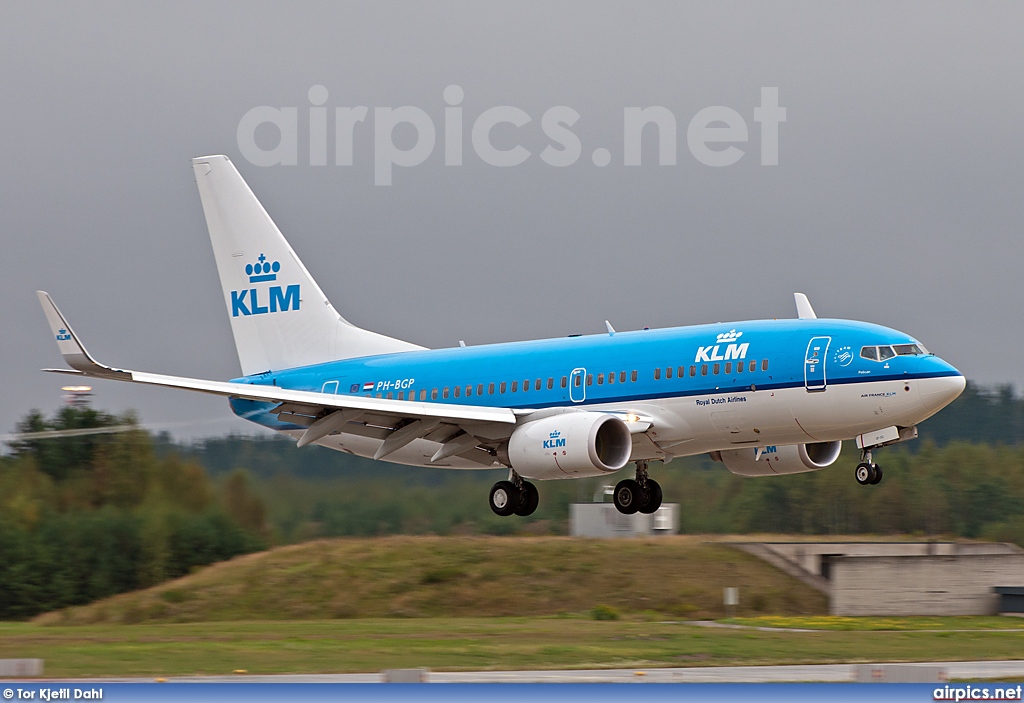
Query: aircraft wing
(398, 422)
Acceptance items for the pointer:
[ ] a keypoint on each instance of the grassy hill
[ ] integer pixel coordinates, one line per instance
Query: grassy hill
(678, 577)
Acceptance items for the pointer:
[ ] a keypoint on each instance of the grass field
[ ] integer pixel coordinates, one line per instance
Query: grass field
(362, 605)
(676, 577)
(368, 645)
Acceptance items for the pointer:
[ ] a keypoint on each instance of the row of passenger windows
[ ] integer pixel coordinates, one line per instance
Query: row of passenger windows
(715, 369)
(887, 352)
(539, 383)
(514, 386)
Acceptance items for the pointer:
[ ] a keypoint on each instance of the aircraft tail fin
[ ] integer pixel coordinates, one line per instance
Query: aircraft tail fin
(279, 316)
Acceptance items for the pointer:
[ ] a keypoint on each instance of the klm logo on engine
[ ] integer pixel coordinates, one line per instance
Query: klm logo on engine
(556, 440)
(254, 301)
(728, 340)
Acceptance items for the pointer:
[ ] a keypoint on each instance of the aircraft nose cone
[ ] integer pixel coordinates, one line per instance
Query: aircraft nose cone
(939, 392)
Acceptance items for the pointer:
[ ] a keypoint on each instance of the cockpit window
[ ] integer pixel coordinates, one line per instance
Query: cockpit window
(885, 353)
(907, 350)
(869, 353)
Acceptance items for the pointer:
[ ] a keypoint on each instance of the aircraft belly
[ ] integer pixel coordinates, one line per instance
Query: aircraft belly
(846, 410)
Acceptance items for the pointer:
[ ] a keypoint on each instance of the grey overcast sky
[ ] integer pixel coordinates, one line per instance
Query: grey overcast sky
(897, 197)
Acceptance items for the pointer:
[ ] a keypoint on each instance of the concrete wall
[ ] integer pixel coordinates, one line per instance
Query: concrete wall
(959, 584)
(808, 555)
(603, 520)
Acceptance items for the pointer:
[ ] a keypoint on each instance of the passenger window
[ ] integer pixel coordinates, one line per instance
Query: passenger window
(728, 367)
(600, 379)
(693, 371)
(682, 371)
(380, 395)
(490, 389)
(885, 353)
(590, 379)
(390, 396)
(526, 385)
(739, 366)
(458, 390)
(633, 377)
(565, 381)
(753, 367)
(444, 393)
(515, 386)
(480, 389)
(668, 372)
(503, 386)
(703, 369)
(622, 376)
(657, 374)
(716, 369)
(764, 364)
(469, 391)
(611, 377)
(551, 383)
(433, 394)
(401, 395)
(869, 353)
(576, 381)
(536, 385)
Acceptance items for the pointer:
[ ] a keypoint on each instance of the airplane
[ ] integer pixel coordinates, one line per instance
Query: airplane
(763, 397)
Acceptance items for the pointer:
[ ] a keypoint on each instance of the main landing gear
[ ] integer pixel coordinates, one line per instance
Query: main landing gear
(868, 473)
(641, 494)
(514, 497)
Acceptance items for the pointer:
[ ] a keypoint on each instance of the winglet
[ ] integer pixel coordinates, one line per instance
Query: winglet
(71, 348)
(803, 307)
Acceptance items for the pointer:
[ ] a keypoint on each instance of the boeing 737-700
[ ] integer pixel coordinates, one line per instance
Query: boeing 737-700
(763, 397)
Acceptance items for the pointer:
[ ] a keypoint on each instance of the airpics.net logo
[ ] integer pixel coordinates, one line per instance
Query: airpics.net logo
(715, 135)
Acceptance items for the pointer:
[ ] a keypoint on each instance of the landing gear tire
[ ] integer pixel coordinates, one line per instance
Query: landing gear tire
(504, 498)
(868, 474)
(864, 474)
(529, 499)
(652, 497)
(628, 496)
(877, 478)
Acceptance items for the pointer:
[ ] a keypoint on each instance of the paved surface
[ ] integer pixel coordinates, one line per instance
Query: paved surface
(822, 673)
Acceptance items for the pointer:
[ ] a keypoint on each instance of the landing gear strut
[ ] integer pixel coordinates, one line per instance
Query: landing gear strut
(514, 497)
(868, 473)
(642, 494)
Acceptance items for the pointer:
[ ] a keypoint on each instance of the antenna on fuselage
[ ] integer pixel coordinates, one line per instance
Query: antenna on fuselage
(803, 307)
(611, 330)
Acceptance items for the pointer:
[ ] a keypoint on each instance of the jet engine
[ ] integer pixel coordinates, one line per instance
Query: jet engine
(570, 445)
(787, 459)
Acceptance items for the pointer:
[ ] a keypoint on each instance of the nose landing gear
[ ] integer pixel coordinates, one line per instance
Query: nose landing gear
(868, 473)
(641, 494)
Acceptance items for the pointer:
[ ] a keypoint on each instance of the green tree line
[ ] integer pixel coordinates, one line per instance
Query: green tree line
(83, 517)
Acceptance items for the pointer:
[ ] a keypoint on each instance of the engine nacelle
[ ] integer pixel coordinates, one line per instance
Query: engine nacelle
(570, 445)
(787, 459)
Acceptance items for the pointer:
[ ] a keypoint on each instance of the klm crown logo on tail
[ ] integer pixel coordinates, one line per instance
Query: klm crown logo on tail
(275, 299)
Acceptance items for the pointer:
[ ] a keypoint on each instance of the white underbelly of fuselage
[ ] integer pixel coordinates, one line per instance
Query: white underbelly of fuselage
(689, 425)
